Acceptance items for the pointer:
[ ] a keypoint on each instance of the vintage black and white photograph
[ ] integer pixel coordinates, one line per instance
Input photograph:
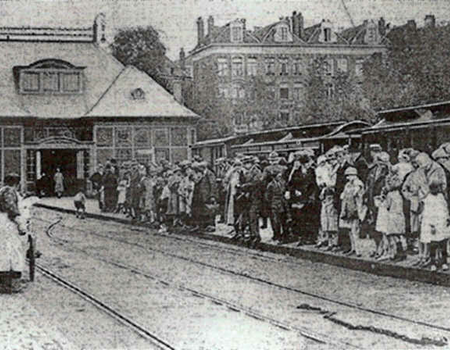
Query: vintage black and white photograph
(224, 174)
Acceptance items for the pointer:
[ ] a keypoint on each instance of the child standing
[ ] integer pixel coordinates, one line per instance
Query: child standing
(122, 194)
(434, 228)
(353, 210)
(80, 204)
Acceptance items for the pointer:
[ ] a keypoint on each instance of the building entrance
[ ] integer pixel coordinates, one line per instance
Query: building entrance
(66, 161)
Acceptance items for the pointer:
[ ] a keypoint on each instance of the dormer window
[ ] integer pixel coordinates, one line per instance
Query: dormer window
(50, 77)
(282, 34)
(372, 35)
(236, 34)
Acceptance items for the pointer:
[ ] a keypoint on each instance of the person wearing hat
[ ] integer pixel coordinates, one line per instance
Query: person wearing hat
(269, 173)
(433, 230)
(376, 179)
(204, 197)
(251, 188)
(352, 209)
(326, 181)
(411, 194)
(342, 163)
(302, 196)
(12, 226)
(234, 203)
(185, 192)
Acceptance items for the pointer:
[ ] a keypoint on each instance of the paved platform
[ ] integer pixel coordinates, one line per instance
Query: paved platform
(223, 234)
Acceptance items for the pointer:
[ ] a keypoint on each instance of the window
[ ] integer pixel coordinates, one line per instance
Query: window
(284, 67)
(222, 67)
(50, 81)
(237, 67)
(284, 91)
(284, 33)
(297, 68)
(359, 68)
(236, 34)
(327, 35)
(328, 66)
(223, 91)
(342, 65)
(238, 92)
(270, 66)
(298, 91)
(252, 66)
(329, 90)
(371, 36)
(71, 82)
(29, 82)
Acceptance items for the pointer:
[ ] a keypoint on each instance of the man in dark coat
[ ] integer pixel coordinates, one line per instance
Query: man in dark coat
(96, 180)
(302, 195)
(204, 201)
(251, 186)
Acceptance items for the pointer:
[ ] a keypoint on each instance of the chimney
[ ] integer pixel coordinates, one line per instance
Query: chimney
(100, 30)
(210, 25)
(300, 24)
(294, 22)
(200, 30)
(382, 26)
(411, 24)
(430, 21)
(244, 26)
(177, 89)
(182, 59)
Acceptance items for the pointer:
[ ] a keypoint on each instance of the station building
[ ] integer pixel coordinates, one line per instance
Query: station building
(66, 102)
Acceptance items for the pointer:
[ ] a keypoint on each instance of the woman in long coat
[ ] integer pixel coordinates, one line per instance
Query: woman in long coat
(59, 183)
(12, 252)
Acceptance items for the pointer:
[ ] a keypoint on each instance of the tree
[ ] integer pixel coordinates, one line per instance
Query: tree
(142, 48)
(414, 71)
(333, 97)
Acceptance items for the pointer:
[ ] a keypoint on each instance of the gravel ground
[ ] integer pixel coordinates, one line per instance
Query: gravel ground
(402, 298)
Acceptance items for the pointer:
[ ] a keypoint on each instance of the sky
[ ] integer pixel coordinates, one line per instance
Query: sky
(176, 19)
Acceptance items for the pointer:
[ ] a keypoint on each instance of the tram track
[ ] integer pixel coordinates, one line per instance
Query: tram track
(139, 329)
(233, 307)
(272, 284)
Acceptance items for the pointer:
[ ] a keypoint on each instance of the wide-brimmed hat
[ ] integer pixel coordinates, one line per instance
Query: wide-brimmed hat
(273, 155)
(350, 171)
(439, 153)
(375, 147)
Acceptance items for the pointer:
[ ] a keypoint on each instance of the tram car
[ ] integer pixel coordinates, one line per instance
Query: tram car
(423, 127)
(319, 137)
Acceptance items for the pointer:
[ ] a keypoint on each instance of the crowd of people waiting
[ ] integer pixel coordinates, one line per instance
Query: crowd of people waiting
(333, 201)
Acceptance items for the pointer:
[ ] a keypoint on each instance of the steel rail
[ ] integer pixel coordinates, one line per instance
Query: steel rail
(317, 337)
(139, 329)
(266, 282)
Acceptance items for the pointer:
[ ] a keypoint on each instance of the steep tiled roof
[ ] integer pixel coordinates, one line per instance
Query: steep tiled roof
(311, 34)
(155, 101)
(99, 72)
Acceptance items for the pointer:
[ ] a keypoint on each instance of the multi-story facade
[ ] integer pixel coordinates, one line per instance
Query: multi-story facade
(280, 54)
(67, 103)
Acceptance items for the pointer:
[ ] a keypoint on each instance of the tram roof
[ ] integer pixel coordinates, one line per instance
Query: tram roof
(272, 135)
(410, 116)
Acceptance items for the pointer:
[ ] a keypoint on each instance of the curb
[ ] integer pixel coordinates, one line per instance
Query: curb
(358, 264)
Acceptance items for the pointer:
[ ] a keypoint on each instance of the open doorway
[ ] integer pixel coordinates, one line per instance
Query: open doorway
(66, 161)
